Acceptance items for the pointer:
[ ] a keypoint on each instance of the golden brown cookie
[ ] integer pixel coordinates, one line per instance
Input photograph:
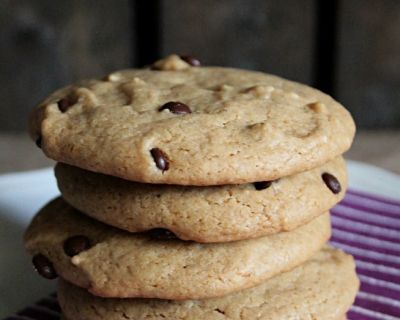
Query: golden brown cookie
(206, 214)
(188, 125)
(323, 288)
(115, 263)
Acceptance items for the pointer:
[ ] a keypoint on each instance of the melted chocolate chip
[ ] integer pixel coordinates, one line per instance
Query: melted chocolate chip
(160, 159)
(64, 104)
(191, 60)
(75, 245)
(176, 107)
(331, 182)
(44, 266)
(161, 234)
(261, 185)
(39, 142)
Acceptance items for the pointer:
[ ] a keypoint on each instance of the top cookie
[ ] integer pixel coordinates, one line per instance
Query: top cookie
(192, 125)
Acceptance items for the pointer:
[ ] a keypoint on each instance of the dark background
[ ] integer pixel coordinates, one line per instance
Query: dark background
(350, 48)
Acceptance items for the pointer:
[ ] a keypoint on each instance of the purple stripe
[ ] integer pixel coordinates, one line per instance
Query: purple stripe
(370, 233)
(381, 211)
(379, 283)
(378, 290)
(372, 260)
(392, 244)
(353, 315)
(376, 261)
(365, 246)
(343, 221)
(374, 197)
(368, 216)
(379, 275)
(371, 202)
(341, 214)
(378, 306)
(363, 313)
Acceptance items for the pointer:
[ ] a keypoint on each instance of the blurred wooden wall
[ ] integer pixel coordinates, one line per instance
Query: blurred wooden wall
(45, 44)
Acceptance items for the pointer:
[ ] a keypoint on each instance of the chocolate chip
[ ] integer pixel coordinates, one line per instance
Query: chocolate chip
(75, 245)
(191, 60)
(219, 311)
(39, 142)
(64, 104)
(160, 159)
(44, 266)
(261, 185)
(176, 107)
(161, 234)
(331, 182)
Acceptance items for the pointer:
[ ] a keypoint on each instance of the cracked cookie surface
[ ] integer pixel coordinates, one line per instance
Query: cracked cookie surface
(224, 126)
(204, 214)
(323, 288)
(113, 263)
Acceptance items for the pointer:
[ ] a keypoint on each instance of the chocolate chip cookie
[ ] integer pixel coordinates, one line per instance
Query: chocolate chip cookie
(181, 124)
(114, 263)
(206, 214)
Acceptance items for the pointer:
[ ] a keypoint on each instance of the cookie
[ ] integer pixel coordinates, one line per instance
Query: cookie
(192, 125)
(323, 288)
(205, 214)
(115, 263)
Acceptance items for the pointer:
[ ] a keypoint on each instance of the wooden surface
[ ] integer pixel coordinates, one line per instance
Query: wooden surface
(369, 63)
(45, 44)
(272, 36)
(380, 148)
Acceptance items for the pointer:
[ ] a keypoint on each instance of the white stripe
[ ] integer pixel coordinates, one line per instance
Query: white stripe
(367, 216)
(367, 253)
(373, 204)
(367, 240)
(363, 227)
(379, 283)
(380, 299)
(370, 313)
(377, 268)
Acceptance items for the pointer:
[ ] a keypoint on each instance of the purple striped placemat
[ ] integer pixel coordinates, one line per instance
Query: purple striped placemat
(368, 227)
(364, 225)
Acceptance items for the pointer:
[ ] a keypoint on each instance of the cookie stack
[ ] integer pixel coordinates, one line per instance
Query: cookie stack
(193, 193)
